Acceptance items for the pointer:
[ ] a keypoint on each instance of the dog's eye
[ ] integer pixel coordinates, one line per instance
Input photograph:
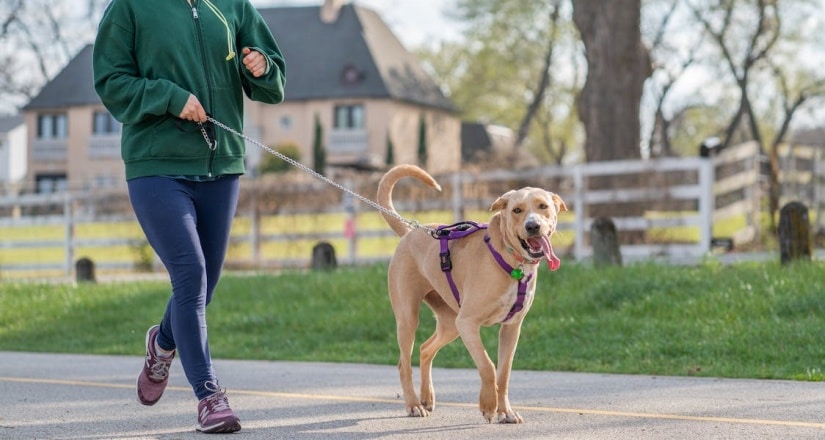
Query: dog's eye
(543, 206)
(517, 210)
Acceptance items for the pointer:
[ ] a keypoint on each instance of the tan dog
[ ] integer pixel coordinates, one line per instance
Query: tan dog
(519, 231)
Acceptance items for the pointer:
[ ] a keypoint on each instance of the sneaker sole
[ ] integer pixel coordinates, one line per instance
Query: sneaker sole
(220, 428)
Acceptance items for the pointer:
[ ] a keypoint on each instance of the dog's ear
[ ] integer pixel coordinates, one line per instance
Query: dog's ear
(560, 206)
(501, 202)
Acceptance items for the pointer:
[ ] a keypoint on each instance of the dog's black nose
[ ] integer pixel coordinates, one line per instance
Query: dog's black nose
(532, 228)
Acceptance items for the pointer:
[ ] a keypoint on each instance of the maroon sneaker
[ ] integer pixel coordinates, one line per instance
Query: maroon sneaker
(214, 413)
(155, 373)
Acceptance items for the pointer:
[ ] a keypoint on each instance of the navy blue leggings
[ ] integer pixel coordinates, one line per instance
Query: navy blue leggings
(187, 223)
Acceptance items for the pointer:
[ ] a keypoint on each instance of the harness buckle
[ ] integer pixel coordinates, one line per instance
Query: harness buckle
(446, 261)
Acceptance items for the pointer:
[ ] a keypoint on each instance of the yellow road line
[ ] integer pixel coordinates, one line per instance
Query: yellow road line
(580, 411)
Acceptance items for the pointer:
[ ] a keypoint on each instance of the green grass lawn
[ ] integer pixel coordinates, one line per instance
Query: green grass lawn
(739, 321)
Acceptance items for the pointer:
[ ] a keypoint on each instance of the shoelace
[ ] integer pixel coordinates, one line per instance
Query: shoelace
(160, 369)
(216, 402)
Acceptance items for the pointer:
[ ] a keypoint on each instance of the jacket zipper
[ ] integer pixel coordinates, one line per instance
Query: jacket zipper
(195, 17)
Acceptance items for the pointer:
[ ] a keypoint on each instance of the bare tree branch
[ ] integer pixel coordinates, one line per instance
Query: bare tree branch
(43, 35)
(661, 122)
(544, 79)
(13, 8)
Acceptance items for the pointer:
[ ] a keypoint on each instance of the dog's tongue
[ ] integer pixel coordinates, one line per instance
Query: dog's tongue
(553, 261)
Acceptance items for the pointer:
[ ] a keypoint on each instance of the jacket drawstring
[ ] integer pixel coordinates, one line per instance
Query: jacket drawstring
(222, 18)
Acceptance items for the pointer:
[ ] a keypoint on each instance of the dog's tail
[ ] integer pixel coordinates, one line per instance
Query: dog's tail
(386, 185)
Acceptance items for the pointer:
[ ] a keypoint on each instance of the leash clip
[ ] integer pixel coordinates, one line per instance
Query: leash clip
(208, 132)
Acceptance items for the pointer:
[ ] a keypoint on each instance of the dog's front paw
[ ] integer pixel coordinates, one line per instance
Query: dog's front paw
(510, 417)
(417, 411)
(428, 405)
(489, 414)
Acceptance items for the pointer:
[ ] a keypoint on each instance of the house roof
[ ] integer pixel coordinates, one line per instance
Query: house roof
(73, 86)
(355, 56)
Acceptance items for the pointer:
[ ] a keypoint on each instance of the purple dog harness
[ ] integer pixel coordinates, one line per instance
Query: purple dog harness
(455, 231)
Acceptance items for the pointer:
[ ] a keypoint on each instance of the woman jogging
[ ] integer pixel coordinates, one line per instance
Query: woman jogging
(160, 67)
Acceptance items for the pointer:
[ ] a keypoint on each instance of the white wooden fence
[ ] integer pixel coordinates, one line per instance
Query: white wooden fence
(690, 193)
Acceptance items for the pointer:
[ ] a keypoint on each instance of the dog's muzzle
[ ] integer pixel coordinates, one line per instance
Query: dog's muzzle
(538, 246)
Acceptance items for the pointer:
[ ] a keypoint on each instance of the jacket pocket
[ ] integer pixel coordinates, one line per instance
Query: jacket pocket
(177, 139)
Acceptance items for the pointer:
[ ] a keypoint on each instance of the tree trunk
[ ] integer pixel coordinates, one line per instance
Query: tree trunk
(618, 65)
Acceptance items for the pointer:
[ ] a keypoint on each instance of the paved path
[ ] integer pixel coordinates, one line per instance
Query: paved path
(47, 396)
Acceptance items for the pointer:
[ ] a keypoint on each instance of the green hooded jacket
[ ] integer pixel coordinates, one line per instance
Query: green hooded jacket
(150, 55)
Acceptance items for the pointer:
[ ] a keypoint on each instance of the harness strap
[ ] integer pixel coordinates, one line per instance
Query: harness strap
(446, 233)
(522, 281)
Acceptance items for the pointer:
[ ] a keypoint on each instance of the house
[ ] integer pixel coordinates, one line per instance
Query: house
(345, 69)
(482, 142)
(487, 145)
(12, 153)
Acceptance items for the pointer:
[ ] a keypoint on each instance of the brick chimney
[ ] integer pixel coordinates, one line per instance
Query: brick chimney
(329, 12)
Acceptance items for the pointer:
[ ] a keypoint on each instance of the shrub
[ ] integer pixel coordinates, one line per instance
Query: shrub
(271, 163)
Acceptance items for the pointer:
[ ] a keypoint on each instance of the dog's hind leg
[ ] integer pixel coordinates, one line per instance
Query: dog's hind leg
(445, 332)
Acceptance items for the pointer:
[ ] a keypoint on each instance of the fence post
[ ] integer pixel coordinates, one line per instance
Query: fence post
(350, 228)
(755, 189)
(68, 215)
(255, 223)
(458, 197)
(579, 210)
(706, 202)
(818, 193)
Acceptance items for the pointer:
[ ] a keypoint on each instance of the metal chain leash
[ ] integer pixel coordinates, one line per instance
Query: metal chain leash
(212, 145)
(412, 223)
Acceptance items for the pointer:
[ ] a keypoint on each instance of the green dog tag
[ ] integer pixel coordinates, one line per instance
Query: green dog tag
(517, 273)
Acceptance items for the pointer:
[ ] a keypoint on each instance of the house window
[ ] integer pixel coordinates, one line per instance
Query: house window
(52, 126)
(103, 181)
(286, 122)
(104, 123)
(51, 183)
(349, 117)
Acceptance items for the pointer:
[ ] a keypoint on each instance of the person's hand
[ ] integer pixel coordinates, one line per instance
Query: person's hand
(255, 62)
(193, 110)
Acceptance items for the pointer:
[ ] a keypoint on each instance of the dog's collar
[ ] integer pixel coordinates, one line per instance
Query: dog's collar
(516, 273)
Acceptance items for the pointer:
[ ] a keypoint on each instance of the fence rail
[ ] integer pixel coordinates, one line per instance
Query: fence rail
(657, 194)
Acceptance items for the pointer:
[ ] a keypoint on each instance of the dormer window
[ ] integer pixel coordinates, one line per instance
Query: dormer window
(351, 76)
